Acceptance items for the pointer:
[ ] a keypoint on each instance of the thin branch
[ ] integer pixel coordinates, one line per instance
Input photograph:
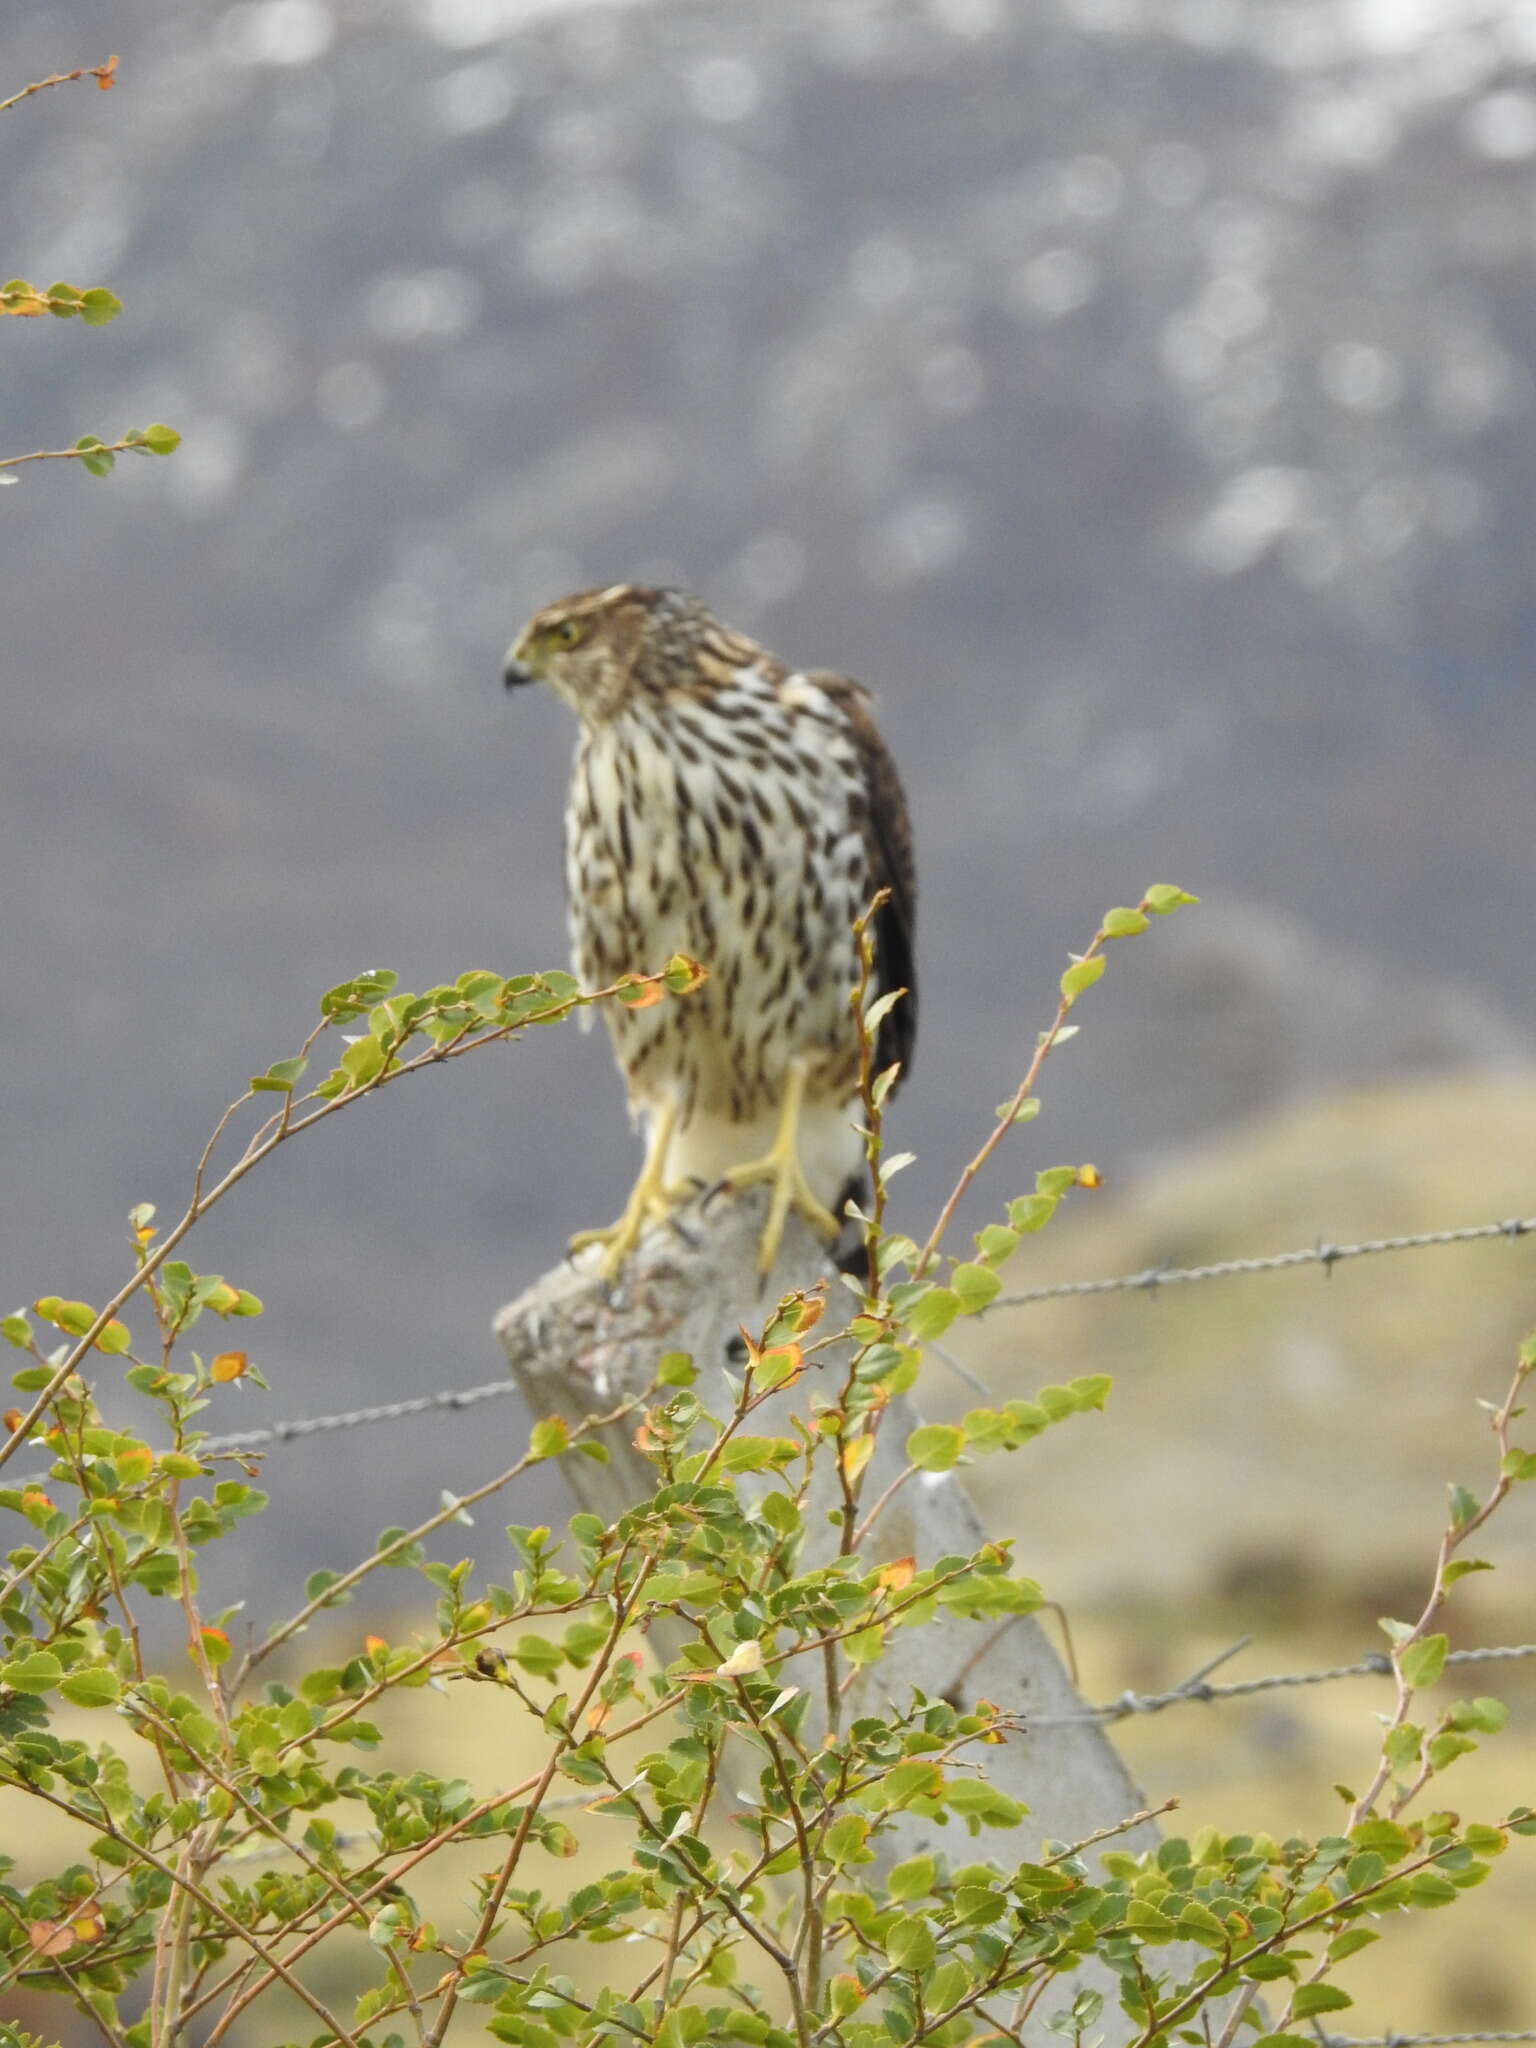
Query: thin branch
(104, 74)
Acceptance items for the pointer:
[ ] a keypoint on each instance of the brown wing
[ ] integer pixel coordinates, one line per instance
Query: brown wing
(888, 835)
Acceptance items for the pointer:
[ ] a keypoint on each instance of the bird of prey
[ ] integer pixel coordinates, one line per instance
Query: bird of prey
(727, 806)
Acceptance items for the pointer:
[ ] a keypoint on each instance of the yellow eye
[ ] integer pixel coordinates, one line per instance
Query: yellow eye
(565, 632)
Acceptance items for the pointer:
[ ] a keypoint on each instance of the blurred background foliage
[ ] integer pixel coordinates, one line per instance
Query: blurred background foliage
(1137, 393)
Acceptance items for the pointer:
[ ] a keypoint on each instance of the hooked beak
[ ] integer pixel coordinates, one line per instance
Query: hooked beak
(516, 672)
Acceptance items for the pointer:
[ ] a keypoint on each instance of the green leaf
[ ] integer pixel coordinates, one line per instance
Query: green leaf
(878, 1010)
(931, 1315)
(1031, 1212)
(1459, 1567)
(1350, 1943)
(1123, 923)
(1026, 1112)
(1422, 1663)
(1464, 1505)
(1519, 1465)
(351, 998)
(997, 1243)
(912, 1879)
(18, 1331)
(676, 1369)
(548, 1438)
(1266, 1969)
(1444, 1749)
(1487, 1715)
(279, 1077)
(910, 1944)
(1484, 1840)
(1313, 1998)
(935, 1447)
(163, 440)
(363, 1062)
(39, 1672)
(99, 464)
(1374, 1833)
(1080, 975)
(1091, 1390)
(976, 1286)
(1164, 897)
(97, 306)
(845, 1838)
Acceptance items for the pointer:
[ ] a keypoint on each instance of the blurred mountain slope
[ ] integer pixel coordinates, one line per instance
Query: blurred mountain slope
(1139, 398)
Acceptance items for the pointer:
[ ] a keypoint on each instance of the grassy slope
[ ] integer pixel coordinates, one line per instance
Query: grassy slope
(1273, 1462)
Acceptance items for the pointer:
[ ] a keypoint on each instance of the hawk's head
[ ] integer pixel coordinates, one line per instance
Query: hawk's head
(595, 647)
(598, 648)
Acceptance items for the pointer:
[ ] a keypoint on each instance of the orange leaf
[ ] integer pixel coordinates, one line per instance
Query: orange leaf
(229, 1365)
(105, 79)
(684, 974)
(374, 1644)
(88, 1926)
(48, 1938)
(812, 1309)
(34, 1499)
(636, 994)
(12, 1420)
(1089, 1177)
(782, 1364)
(900, 1572)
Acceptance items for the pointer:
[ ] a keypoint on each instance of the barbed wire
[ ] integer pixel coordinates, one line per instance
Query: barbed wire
(450, 1399)
(1377, 1665)
(1323, 1254)
(447, 1399)
(1417, 2040)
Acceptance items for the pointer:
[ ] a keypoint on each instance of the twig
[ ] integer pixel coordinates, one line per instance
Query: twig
(105, 76)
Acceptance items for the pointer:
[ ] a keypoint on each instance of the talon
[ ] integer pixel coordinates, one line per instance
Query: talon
(647, 1203)
(780, 1166)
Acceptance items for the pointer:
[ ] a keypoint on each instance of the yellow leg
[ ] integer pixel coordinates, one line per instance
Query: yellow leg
(781, 1167)
(647, 1201)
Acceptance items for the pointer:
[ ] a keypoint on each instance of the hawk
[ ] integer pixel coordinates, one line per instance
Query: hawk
(730, 807)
